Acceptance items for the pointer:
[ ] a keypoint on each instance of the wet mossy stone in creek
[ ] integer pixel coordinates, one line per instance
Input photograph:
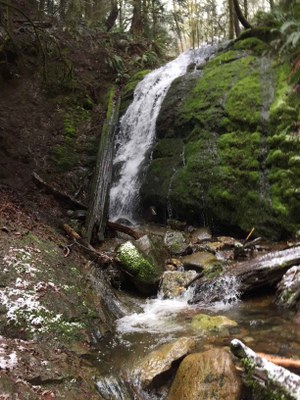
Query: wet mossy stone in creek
(142, 272)
(206, 323)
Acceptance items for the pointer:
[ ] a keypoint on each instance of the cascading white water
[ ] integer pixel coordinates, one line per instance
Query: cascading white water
(137, 131)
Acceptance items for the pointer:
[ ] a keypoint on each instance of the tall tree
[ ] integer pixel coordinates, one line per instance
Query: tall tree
(240, 14)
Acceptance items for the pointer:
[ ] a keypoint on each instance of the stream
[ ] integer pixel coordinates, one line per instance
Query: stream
(261, 325)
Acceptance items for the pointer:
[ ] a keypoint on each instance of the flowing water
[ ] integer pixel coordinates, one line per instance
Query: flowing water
(137, 132)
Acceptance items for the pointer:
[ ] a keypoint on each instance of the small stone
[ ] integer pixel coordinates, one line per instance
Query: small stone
(206, 323)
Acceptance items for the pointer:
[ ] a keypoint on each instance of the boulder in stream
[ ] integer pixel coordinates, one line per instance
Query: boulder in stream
(161, 360)
(142, 272)
(206, 323)
(203, 260)
(176, 243)
(173, 283)
(209, 375)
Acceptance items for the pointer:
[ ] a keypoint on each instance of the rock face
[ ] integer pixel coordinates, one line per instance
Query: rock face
(210, 375)
(142, 272)
(161, 360)
(288, 289)
(237, 131)
(173, 283)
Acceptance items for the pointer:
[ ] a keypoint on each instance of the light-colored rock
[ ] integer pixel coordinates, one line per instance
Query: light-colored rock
(200, 235)
(173, 283)
(203, 322)
(161, 360)
(288, 289)
(201, 261)
(152, 246)
(209, 375)
(176, 242)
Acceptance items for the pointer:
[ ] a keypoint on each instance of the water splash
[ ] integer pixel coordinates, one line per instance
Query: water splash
(137, 131)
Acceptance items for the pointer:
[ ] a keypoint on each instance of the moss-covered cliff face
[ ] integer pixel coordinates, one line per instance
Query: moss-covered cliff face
(228, 145)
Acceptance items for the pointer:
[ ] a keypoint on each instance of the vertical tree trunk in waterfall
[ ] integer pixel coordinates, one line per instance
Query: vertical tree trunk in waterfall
(96, 218)
(246, 9)
(240, 14)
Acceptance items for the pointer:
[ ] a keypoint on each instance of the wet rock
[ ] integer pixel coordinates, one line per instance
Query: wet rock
(173, 283)
(142, 272)
(176, 225)
(175, 262)
(209, 375)
(288, 289)
(205, 323)
(202, 261)
(176, 242)
(227, 242)
(201, 235)
(161, 360)
(152, 246)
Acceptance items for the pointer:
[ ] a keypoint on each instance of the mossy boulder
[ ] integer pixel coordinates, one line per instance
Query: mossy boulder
(176, 242)
(237, 121)
(144, 274)
(207, 323)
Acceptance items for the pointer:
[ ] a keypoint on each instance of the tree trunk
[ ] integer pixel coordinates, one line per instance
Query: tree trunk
(240, 14)
(112, 17)
(246, 8)
(231, 25)
(137, 22)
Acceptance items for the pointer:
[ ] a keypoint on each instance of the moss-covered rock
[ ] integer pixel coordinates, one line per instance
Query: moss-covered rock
(141, 271)
(239, 129)
(127, 94)
(206, 323)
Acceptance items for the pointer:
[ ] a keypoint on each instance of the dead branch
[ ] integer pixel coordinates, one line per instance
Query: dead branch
(98, 257)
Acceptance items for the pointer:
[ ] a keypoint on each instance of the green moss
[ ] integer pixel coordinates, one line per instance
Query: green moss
(64, 157)
(244, 100)
(254, 44)
(205, 105)
(139, 268)
(166, 148)
(128, 90)
(208, 323)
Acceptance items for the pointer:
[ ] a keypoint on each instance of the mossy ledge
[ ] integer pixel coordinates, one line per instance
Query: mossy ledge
(240, 145)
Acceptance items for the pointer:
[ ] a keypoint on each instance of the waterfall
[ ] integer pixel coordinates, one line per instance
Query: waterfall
(137, 131)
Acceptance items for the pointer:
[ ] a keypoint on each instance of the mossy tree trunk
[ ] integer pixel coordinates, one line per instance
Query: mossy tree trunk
(97, 214)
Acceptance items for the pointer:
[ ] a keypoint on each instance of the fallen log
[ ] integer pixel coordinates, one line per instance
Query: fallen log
(248, 276)
(64, 198)
(271, 378)
(288, 363)
(100, 258)
(71, 202)
(125, 229)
